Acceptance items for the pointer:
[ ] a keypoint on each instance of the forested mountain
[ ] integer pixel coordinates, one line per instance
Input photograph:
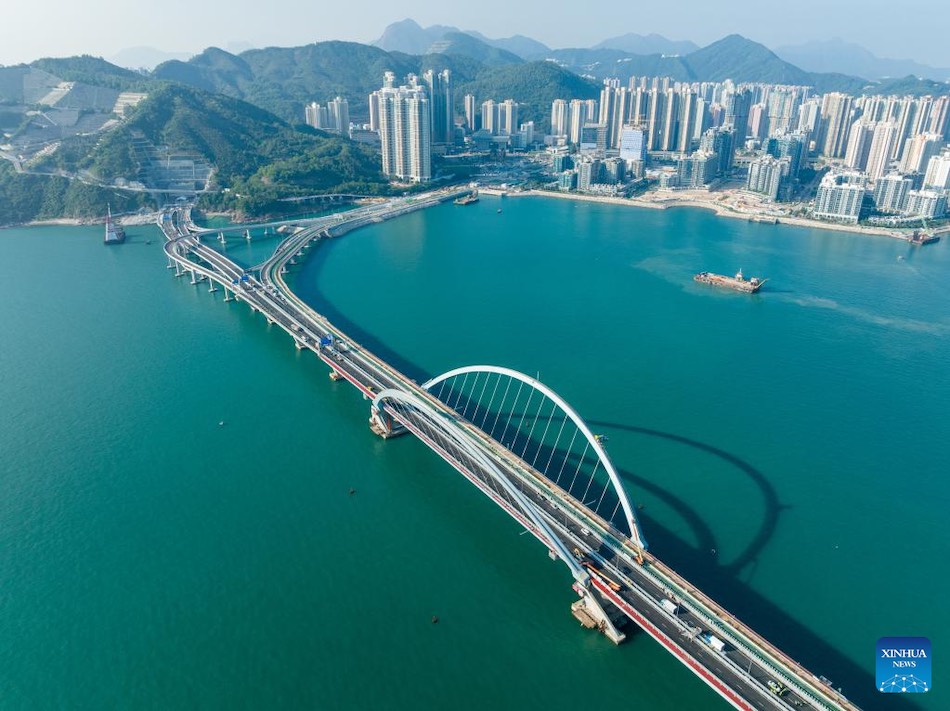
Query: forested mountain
(533, 85)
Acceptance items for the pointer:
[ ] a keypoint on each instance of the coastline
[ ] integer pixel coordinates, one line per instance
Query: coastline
(133, 220)
(691, 199)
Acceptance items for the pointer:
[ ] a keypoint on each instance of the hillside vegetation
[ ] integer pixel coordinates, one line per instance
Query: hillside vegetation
(44, 197)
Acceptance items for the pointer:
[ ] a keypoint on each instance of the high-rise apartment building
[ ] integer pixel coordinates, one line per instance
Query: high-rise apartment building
(930, 204)
(334, 117)
(579, 113)
(316, 115)
(835, 122)
(919, 150)
(441, 105)
(881, 152)
(859, 144)
(471, 117)
(404, 129)
(890, 192)
(339, 114)
(508, 117)
(559, 117)
(840, 197)
(940, 117)
(490, 116)
(938, 172)
(766, 175)
(614, 101)
(792, 146)
(737, 104)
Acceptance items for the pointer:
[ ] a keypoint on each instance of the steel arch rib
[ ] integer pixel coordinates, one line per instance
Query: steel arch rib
(438, 419)
(635, 532)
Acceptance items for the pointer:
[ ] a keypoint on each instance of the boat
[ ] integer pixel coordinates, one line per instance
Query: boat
(738, 282)
(467, 199)
(920, 238)
(114, 232)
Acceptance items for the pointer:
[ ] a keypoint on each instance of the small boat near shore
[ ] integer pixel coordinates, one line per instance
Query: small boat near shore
(736, 283)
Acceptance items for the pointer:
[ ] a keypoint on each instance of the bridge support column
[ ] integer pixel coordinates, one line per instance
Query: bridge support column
(227, 295)
(590, 612)
(212, 287)
(382, 424)
(177, 269)
(171, 264)
(193, 280)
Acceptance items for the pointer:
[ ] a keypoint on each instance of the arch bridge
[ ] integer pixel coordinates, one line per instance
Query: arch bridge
(528, 450)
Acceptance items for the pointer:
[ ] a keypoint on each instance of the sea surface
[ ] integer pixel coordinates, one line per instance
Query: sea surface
(176, 527)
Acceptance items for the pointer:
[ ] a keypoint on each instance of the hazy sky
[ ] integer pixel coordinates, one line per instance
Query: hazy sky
(29, 29)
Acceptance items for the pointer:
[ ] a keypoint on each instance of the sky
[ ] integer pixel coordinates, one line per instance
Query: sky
(30, 29)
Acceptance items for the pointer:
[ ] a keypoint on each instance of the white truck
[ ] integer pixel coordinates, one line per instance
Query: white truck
(713, 641)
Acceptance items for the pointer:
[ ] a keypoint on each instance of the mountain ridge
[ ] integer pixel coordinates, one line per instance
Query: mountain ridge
(850, 58)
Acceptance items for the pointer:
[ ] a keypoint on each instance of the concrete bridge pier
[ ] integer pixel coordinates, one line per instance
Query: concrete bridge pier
(227, 295)
(178, 271)
(591, 614)
(382, 424)
(212, 286)
(193, 280)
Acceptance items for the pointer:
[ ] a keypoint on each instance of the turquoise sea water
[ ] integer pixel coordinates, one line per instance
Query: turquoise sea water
(790, 450)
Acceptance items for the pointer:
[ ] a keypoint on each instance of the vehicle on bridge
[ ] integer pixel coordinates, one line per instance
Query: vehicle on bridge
(776, 688)
(713, 641)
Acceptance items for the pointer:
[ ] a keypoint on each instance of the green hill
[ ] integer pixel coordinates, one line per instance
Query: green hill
(284, 79)
(258, 158)
(533, 85)
(45, 197)
(94, 71)
(464, 45)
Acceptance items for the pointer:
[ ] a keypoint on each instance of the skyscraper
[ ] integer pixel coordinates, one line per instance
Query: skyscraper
(441, 105)
(577, 117)
(613, 110)
(835, 121)
(316, 115)
(738, 104)
(859, 144)
(404, 130)
(882, 148)
(559, 117)
(508, 117)
(338, 112)
(792, 146)
(670, 121)
(919, 150)
(471, 117)
(490, 116)
(633, 143)
(938, 171)
(940, 117)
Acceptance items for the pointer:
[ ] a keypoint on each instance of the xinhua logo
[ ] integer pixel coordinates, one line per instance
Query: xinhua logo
(903, 665)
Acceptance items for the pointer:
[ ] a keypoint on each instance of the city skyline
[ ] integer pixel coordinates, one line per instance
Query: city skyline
(26, 34)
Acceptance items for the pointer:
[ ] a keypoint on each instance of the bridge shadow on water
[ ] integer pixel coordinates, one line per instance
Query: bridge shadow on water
(725, 582)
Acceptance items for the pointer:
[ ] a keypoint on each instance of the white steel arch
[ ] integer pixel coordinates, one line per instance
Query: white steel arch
(635, 532)
(455, 434)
